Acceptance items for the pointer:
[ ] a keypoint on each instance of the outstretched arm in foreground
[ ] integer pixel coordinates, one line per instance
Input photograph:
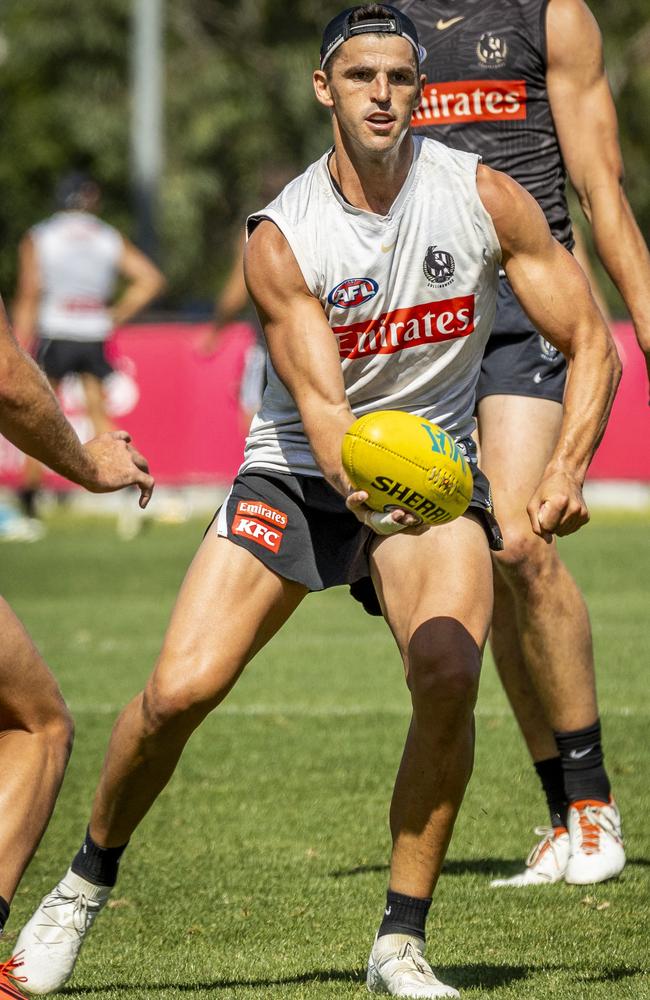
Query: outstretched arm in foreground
(31, 418)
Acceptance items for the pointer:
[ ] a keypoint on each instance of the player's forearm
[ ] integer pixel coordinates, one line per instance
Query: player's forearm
(25, 314)
(32, 420)
(325, 427)
(594, 372)
(623, 251)
(136, 298)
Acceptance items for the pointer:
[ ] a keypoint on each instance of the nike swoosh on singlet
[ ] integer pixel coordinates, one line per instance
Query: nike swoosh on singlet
(443, 25)
(389, 248)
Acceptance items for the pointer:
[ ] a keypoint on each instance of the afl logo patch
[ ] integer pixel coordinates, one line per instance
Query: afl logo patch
(353, 292)
(492, 50)
(438, 267)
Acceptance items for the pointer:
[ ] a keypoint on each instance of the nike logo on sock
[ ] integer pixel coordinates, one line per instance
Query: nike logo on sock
(388, 911)
(577, 754)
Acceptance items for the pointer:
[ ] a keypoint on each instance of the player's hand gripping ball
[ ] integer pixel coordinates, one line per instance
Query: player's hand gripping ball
(402, 460)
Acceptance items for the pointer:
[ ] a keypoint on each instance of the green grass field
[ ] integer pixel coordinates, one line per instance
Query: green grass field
(261, 872)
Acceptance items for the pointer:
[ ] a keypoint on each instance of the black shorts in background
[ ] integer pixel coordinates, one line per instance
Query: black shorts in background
(518, 361)
(59, 358)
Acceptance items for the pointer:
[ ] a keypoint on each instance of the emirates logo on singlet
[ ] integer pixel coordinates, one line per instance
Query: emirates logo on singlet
(431, 322)
(471, 101)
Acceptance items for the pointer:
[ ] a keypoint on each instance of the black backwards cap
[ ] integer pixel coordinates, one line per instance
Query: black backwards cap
(339, 30)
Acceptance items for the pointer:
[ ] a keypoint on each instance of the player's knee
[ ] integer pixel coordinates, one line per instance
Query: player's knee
(525, 558)
(59, 730)
(443, 675)
(175, 704)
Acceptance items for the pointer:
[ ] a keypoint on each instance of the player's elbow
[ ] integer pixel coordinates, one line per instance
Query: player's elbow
(11, 360)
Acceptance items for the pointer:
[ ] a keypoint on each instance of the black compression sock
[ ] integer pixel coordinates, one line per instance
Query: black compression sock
(404, 915)
(552, 778)
(4, 913)
(582, 764)
(98, 865)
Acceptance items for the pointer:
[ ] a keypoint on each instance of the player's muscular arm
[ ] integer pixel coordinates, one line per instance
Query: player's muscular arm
(585, 120)
(145, 282)
(305, 356)
(301, 345)
(30, 417)
(555, 294)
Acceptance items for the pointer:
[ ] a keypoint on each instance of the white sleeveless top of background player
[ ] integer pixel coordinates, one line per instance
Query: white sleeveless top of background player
(78, 258)
(410, 297)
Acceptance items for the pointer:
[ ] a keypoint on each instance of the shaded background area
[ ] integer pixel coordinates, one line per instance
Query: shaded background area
(238, 98)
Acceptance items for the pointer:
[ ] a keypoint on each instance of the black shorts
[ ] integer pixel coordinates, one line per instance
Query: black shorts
(518, 361)
(59, 358)
(300, 528)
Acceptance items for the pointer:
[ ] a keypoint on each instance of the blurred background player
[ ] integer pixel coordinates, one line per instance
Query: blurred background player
(233, 303)
(547, 105)
(35, 726)
(69, 266)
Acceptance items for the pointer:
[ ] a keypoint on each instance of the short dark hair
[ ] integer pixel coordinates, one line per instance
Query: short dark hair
(358, 15)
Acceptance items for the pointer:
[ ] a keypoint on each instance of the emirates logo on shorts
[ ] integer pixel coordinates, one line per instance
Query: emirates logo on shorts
(439, 267)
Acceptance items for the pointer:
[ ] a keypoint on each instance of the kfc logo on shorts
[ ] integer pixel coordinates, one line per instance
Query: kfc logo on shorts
(261, 523)
(353, 292)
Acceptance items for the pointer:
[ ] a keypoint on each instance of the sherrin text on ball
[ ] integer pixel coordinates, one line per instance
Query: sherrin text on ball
(402, 460)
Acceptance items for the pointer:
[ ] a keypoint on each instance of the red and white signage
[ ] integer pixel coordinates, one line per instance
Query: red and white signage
(431, 322)
(461, 101)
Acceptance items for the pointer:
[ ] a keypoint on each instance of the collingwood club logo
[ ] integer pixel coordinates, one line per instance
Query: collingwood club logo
(547, 351)
(438, 267)
(492, 50)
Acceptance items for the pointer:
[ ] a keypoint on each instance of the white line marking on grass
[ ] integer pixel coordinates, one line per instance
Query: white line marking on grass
(330, 711)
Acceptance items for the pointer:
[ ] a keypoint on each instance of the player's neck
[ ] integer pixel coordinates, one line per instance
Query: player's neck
(368, 181)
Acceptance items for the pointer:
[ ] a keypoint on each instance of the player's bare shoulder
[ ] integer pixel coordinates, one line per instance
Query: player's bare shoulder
(517, 218)
(571, 26)
(270, 267)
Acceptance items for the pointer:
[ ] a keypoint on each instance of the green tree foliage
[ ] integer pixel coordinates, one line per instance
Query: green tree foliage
(239, 104)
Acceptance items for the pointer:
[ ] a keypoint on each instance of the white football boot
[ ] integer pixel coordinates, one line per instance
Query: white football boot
(546, 863)
(397, 967)
(597, 851)
(49, 943)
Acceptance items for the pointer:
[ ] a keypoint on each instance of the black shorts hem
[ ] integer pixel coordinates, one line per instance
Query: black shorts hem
(554, 397)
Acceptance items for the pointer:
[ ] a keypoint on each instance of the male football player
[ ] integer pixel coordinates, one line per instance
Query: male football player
(68, 267)
(420, 230)
(522, 83)
(35, 726)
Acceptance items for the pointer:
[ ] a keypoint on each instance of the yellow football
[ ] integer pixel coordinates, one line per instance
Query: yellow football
(402, 460)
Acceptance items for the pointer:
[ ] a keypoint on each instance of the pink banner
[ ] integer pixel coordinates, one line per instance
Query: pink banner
(182, 407)
(624, 452)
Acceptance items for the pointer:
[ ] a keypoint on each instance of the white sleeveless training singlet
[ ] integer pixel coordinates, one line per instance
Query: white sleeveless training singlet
(410, 297)
(78, 258)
